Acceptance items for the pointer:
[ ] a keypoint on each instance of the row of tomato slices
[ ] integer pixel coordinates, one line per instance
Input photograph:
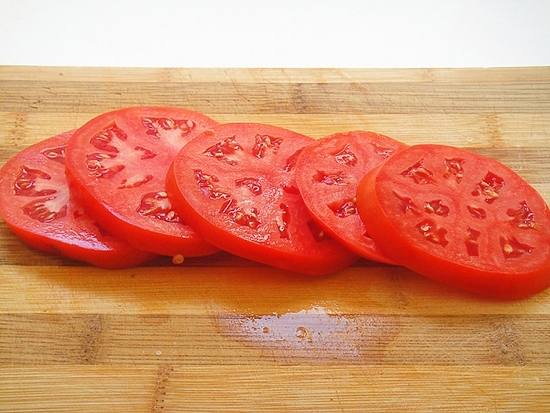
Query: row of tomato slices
(139, 182)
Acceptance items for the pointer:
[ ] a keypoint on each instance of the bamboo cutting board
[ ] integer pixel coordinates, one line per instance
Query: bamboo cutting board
(220, 334)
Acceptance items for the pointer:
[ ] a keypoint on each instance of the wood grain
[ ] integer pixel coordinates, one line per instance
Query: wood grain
(224, 334)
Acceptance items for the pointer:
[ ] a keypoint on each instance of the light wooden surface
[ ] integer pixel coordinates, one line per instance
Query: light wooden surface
(221, 334)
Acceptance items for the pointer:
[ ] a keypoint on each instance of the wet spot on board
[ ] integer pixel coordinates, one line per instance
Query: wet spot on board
(314, 335)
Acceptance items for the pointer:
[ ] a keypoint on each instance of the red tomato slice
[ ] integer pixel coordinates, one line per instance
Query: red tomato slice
(37, 206)
(327, 174)
(459, 218)
(236, 185)
(116, 166)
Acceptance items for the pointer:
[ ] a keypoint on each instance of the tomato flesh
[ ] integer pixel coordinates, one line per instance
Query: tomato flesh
(236, 185)
(38, 208)
(459, 218)
(116, 166)
(327, 174)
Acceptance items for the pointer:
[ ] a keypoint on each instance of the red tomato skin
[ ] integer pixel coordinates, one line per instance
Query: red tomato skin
(186, 195)
(121, 217)
(488, 280)
(117, 255)
(364, 150)
(73, 235)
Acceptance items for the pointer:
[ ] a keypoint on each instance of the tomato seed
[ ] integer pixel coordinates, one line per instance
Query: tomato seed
(419, 174)
(178, 259)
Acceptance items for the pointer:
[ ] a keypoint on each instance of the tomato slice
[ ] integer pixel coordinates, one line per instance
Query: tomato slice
(37, 207)
(236, 185)
(459, 218)
(116, 166)
(327, 174)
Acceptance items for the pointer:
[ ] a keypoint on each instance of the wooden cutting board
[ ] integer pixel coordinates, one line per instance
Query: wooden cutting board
(221, 334)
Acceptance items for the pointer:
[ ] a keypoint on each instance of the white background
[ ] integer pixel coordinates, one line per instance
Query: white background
(284, 33)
